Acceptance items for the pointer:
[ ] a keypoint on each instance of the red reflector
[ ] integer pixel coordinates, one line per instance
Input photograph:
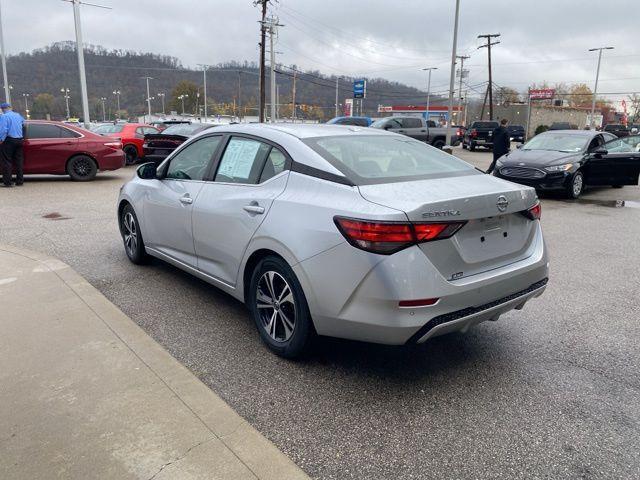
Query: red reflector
(418, 303)
(390, 237)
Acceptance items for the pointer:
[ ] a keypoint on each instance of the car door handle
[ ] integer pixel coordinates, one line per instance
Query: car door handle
(186, 199)
(256, 209)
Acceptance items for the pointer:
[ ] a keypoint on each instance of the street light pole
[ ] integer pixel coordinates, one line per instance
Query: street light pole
(462, 59)
(428, 69)
(7, 92)
(148, 97)
(117, 94)
(595, 88)
(161, 95)
(104, 114)
(66, 97)
(453, 72)
(26, 105)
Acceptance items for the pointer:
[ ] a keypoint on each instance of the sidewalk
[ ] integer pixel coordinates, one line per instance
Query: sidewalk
(86, 394)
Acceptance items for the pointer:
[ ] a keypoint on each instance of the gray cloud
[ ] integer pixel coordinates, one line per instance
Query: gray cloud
(541, 40)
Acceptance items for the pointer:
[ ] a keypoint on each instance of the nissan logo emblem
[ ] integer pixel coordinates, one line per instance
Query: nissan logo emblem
(502, 203)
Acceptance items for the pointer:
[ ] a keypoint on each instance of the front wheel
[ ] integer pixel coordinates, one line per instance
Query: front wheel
(576, 185)
(132, 236)
(472, 147)
(279, 308)
(82, 168)
(464, 146)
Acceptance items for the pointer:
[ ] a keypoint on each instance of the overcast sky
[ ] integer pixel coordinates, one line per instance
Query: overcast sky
(541, 39)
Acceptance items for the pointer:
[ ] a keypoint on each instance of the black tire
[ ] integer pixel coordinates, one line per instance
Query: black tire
(464, 146)
(575, 187)
(130, 155)
(271, 280)
(82, 168)
(439, 143)
(132, 236)
(472, 147)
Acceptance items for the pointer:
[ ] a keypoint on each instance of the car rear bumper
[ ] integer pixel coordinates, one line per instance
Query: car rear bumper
(356, 295)
(112, 161)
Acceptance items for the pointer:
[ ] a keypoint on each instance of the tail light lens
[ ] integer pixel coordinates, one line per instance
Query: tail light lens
(533, 213)
(459, 132)
(389, 237)
(114, 145)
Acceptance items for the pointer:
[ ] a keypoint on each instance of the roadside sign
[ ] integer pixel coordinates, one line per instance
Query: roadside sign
(542, 94)
(360, 89)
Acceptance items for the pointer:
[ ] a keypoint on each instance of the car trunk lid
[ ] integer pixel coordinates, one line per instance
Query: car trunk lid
(495, 233)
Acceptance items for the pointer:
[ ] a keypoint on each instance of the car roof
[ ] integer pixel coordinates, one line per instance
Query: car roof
(579, 133)
(300, 130)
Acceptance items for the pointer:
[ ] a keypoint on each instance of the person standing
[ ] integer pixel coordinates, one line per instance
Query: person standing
(11, 155)
(501, 143)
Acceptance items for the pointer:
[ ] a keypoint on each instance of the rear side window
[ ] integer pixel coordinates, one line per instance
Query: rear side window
(411, 123)
(44, 130)
(367, 159)
(242, 161)
(276, 163)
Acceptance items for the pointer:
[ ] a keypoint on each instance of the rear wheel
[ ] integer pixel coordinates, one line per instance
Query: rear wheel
(439, 143)
(82, 168)
(131, 154)
(576, 185)
(279, 308)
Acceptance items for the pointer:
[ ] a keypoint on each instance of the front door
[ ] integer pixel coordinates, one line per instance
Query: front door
(623, 158)
(250, 175)
(169, 201)
(47, 147)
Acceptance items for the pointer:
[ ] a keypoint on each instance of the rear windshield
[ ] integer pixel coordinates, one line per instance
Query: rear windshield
(368, 159)
(111, 128)
(485, 125)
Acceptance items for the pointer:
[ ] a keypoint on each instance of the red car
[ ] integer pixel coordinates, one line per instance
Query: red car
(61, 149)
(130, 134)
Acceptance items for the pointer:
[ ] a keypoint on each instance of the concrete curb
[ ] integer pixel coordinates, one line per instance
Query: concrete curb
(250, 447)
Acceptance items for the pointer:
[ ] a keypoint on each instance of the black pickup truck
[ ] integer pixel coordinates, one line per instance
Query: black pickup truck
(479, 134)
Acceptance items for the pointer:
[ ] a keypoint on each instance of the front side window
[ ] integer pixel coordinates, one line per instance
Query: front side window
(192, 161)
(411, 123)
(242, 161)
(366, 159)
(386, 123)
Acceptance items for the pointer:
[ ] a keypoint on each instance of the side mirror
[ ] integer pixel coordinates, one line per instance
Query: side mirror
(147, 171)
(599, 152)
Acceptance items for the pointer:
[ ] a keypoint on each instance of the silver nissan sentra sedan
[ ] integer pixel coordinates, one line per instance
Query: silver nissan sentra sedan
(343, 231)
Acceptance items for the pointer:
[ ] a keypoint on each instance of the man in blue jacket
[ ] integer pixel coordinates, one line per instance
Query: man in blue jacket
(11, 133)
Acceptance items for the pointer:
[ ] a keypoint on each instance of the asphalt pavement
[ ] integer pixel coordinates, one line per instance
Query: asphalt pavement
(551, 391)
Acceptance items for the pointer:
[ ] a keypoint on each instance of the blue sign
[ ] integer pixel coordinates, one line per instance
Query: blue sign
(359, 89)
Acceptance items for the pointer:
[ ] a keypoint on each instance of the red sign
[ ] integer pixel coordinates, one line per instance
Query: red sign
(542, 94)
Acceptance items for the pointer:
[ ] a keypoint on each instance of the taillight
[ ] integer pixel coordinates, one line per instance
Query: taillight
(389, 237)
(533, 213)
(114, 145)
(459, 132)
(474, 133)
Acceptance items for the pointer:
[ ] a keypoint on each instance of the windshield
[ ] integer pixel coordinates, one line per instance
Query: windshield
(366, 159)
(557, 142)
(185, 129)
(110, 128)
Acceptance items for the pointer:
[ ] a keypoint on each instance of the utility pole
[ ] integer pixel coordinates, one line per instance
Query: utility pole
(462, 58)
(263, 29)
(66, 97)
(239, 91)
(7, 90)
(117, 94)
(26, 104)
(336, 97)
(595, 88)
(452, 76)
(293, 98)
(277, 101)
(428, 69)
(148, 96)
(273, 23)
(488, 45)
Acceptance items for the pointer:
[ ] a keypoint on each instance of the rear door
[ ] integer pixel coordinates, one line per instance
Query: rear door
(623, 160)
(47, 147)
(169, 202)
(250, 174)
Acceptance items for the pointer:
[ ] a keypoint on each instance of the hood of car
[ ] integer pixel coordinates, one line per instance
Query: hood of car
(539, 157)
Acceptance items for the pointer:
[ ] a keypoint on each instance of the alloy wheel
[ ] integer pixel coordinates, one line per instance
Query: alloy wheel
(577, 185)
(276, 306)
(130, 233)
(82, 167)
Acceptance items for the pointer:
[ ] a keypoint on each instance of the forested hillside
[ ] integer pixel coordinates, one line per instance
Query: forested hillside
(44, 72)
